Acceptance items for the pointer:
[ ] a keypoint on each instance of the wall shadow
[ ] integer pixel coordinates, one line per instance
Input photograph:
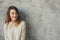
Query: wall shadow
(25, 17)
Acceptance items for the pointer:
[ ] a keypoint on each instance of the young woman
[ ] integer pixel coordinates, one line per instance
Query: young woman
(14, 27)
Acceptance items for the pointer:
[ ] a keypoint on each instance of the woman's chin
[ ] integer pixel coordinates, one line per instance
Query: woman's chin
(14, 19)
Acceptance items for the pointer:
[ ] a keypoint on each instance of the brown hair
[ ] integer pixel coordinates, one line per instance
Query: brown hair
(8, 19)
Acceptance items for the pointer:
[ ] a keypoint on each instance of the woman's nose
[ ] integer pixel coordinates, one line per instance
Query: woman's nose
(14, 14)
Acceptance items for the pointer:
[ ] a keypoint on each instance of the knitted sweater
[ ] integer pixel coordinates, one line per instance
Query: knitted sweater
(15, 33)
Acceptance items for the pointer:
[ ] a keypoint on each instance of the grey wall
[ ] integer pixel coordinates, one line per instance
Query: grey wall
(42, 18)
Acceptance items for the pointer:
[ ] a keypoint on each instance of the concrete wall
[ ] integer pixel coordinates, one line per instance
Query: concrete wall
(42, 18)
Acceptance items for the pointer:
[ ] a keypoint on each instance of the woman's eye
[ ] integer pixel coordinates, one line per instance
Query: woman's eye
(15, 13)
(12, 13)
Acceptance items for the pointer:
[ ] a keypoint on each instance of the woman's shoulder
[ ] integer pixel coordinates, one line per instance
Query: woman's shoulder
(23, 22)
(5, 25)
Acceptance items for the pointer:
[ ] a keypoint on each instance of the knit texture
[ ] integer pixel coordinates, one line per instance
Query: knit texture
(15, 33)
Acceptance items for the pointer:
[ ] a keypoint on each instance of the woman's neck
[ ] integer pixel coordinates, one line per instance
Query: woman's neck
(13, 21)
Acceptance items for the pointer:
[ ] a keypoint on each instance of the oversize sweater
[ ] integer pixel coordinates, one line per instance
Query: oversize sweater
(15, 33)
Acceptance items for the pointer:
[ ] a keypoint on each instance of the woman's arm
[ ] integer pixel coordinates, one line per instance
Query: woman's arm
(5, 34)
(23, 33)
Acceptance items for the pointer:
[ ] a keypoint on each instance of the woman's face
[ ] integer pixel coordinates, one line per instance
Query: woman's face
(13, 15)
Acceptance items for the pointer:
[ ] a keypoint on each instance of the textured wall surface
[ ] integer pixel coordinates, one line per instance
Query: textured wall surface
(42, 18)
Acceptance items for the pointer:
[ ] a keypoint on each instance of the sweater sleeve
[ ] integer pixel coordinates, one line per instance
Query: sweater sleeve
(23, 33)
(5, 34)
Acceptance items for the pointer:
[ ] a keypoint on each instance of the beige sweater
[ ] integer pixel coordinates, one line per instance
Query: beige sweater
(15, 33)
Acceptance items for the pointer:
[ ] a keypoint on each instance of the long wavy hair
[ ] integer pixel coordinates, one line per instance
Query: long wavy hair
(8, 19)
